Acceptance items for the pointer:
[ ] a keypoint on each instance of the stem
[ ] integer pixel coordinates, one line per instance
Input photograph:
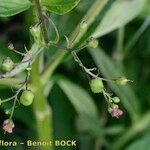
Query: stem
(24, 64)
(107, 97)
(41, 107)
(41, 18)
(11, 82)
(86, 70)
(8, 99)
(15, 100)
(13, 109)
(77, 59)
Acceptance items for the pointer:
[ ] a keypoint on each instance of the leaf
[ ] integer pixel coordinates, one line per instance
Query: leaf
(146, 11)
(13, 7)
(110, 71)
(84, 106)
(141, 144)
(60, 6)
(63, 122)
(120, 13)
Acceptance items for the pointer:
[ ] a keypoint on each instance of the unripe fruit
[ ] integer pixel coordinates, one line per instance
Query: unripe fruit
(96, 85)
(26, 98)
(116, 99)
(7, 64)
(92, 42)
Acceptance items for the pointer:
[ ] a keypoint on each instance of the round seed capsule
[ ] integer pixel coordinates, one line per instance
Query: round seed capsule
(26, 98)
(96, 85)
(7, 64)
(116, 99)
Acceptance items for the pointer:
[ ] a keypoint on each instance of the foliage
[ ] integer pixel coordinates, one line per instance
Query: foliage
(55, 56)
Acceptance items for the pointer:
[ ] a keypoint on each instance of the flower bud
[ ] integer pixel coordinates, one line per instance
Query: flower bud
(83, 25)
(92, 42)
(114, 106)
(116, 99)
(8, 111)
(7, 64)
(96, 85)
(8, 126)
(122, 81)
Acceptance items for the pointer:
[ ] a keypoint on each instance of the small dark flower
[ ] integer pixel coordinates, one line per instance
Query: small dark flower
(8, 126)
(115, 112)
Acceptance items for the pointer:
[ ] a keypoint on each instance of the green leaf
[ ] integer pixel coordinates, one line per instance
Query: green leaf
(146, 11)
(84, 106)
(141, 144)
(60, 6)
(13, 7)
(110, 71)
(63, 122)
(120, 13)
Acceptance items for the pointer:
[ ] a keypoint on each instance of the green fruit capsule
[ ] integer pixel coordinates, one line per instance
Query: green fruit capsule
(92, 42)
(7, 64)
(26, 98)
(116, 99)
(96, 85)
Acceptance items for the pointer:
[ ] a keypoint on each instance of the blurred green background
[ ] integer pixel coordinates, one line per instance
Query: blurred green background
(77, 113)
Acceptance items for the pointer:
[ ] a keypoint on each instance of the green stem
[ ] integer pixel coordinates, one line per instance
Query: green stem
(24, 64)
(41, 107)
(11, 82)
(41, 19)
(13, 109)
(15, 101)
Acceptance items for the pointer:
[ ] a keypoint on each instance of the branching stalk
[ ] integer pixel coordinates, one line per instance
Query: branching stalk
(89, 18)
